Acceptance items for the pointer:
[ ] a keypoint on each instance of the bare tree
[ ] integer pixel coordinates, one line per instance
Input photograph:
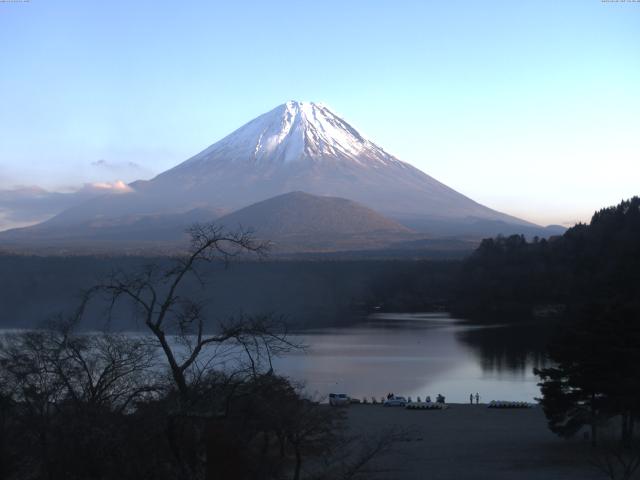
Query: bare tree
(310, 430)
(157, 295)
(357, 456)
(66, 389)
(195, 347)
(31, 382)
(104, 370)
(615, 459)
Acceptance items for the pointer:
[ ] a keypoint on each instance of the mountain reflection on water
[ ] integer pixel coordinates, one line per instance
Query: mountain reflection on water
(418, 355)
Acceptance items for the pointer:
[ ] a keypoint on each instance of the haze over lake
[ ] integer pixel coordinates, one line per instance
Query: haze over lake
(417, 354)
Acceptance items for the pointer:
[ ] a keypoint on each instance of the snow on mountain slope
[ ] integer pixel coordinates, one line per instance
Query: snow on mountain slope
(303, 146)
(294, 132)
(297, 146)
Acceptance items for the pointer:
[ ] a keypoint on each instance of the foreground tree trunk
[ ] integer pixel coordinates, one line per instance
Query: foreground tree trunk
(296, 475)
(164, 310)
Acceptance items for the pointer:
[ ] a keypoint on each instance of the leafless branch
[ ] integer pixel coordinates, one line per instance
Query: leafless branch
(156, 296)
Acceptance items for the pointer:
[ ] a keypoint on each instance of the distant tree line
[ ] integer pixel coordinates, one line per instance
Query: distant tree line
(309, 293)
(510, 275)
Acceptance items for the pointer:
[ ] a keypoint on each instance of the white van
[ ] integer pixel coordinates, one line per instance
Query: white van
(338, 399)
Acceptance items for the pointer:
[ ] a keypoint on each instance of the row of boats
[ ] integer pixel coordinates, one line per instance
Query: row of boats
(508, 404)
(340, 399)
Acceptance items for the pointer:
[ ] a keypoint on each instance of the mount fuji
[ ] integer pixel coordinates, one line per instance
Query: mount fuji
(296, 147)
(303, 146)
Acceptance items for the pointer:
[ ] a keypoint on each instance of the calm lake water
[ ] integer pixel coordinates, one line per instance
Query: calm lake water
(413, 355)
(419, 354)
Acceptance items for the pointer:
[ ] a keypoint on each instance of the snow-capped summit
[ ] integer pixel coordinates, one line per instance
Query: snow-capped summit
(304, 146)
(294, 132)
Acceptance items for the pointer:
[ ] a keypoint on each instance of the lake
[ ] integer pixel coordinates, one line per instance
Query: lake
(419, 355)
(414, 355)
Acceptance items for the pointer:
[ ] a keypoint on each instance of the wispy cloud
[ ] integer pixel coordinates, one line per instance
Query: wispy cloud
(121, 169)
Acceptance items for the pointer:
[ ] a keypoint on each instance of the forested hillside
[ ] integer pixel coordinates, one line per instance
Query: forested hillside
(595, 262)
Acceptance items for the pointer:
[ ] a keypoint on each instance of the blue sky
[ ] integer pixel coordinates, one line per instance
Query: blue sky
(530, 107)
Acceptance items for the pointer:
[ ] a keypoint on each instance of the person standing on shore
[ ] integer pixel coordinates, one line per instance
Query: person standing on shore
(477, 398)
(471, 398)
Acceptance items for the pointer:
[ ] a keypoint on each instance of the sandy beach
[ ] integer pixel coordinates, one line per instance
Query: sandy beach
(473, 442)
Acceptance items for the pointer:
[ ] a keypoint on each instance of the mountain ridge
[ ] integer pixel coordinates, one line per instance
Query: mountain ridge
(295, 147)
(298, 221)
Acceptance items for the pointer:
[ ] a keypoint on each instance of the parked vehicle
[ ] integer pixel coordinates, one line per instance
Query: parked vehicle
(395, 402)
(339, 399)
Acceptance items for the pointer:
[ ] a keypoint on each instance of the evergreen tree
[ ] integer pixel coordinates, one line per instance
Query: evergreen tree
(596, 372)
